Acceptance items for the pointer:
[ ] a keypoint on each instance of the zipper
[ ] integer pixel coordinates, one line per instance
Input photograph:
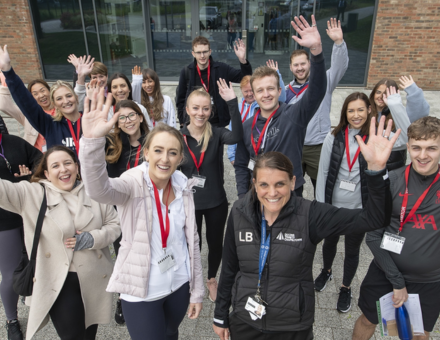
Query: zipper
(266, 288)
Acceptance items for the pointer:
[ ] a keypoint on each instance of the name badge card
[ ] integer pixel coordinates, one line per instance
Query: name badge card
(200, 181)
(392, 242)
(347, 185)
(251, 164)
(255, 309)
(167, 262)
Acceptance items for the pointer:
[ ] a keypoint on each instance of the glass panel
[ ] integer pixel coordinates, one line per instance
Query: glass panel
(171, 35)
(221, 23)
(90, 26)
(356, 19)
(122, 34)
(59, 33)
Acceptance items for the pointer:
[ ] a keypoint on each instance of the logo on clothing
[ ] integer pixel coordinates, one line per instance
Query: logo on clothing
(68, 142)
(420, 221)
(288, 237)
(273, 132)
(248, 237)
(438, 197)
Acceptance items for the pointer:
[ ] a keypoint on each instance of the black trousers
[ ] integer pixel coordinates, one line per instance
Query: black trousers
(215, 219)
(67, 313)
(351, 261)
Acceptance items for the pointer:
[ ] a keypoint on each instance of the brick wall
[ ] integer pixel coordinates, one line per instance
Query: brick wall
(16, 31)
(406, 41)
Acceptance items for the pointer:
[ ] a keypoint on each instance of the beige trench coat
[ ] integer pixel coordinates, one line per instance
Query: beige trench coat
(94, 266)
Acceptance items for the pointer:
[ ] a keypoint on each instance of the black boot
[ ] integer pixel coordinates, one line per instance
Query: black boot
(14, 331)
(119, 317)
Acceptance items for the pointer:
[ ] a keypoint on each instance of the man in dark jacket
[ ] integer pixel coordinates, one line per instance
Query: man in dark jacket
(342, 4)
(204, 72)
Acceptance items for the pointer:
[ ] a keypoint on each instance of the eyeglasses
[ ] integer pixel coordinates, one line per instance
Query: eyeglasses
(202, 52)
(131, 117)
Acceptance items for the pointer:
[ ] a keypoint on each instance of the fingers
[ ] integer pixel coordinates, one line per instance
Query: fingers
(360, 141)
(108, 104)
(70, 242)
(389, 126)
(380, 128)
(372, 126)
(313, 21)
(101, 98)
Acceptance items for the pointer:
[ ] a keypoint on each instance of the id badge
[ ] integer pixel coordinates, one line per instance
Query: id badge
(255, 309)
(347, 185)
(44, 148)
(392, 242)
(167, 262)
(212, 101)
(200, 181)
(251, 164)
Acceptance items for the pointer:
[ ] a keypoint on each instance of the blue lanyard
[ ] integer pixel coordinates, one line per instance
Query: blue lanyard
(264, 248)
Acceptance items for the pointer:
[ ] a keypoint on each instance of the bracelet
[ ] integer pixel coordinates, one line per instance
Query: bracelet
(314, 48)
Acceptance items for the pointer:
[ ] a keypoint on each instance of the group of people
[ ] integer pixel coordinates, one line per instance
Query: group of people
(108, 163)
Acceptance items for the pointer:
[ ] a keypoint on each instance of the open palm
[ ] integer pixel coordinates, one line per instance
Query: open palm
(310, 36)
(5, 60)
(226, 92)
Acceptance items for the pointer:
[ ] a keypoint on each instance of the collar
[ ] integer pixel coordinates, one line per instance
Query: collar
(194, 64)
(294, 83)
(55, 195)
(126, 139)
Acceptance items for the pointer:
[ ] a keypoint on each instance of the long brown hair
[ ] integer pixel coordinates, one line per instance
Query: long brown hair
(343, 122)
(207, 132)
(42, 166)
(388, 83)
(155, 109)
(114, 150)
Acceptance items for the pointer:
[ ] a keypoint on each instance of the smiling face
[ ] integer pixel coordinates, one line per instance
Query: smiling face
(163, 155)
(425, 155)
(300, 68)
(41, 95)
(198, 108)
(148, 86)
(248, 94)
(61, 170)
(102, 79)
(120, 89)
(357, 113)
(65, 101)
(378, 97)
(202, 54)
(129, 121)
(273, 189)
(266, 93)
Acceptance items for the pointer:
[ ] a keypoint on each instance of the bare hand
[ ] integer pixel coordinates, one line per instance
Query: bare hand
(334, 31)
(194, 310)
(399, 297)
(71, 242)
(378, 149)
(310, 37)
(73, 59)
(274, 65)
(94, 120)
(240, 50)
(223, 333)
(232, 162)
(405, 82)
(3, 79)
(226, 92)
(390, 91)
(85, 65)
(24, 171)
(5, 60)
(136, 71)
(90, 88)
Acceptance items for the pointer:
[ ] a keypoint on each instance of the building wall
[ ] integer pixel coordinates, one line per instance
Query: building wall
(16, 31)
(406, 41)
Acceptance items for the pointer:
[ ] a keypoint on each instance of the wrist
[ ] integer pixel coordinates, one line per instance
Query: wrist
(316, 48)
(339, 42)
(376, 166)
(243, 60)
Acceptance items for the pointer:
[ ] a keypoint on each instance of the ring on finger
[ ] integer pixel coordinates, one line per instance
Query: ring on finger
(313, 25)
(387, 137)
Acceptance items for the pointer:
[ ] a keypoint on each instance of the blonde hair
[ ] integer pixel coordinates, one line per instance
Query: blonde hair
(207, 132)
(58, 114)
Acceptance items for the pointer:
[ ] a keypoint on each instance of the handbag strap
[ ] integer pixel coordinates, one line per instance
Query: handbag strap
(39, 225)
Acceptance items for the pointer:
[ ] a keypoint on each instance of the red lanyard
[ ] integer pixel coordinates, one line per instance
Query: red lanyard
(347, 150)
(260, 139)
(247, 111)
(136, 162)
(164, 230)
(405, 199)
(75, 138)
(209, 74)
(202, 155)
(154, 122)
(301, 91)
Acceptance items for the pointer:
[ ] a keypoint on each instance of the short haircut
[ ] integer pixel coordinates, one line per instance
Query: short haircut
(37, 81)
(246, 80)
(264, 71)
(199, 40)
(99, 68)
(297, 53)
(424, 128)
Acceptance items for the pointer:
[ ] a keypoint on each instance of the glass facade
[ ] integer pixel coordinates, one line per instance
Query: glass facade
(158, 34)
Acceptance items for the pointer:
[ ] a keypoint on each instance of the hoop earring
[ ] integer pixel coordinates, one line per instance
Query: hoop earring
(78, 177)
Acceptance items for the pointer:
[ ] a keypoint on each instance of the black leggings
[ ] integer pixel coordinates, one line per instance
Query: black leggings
(351, 261)
(67, 313)
(215, 219)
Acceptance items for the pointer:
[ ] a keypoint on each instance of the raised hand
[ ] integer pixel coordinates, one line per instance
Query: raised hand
(240, 50)
(94, 120)
(136, 71)
(378, 149)
(73, 59)
(227, 92)
(3, 79)
(24, 171)
(334, 31)
(310, 36)
(85, 65)
(5, 60)
(390, 91)
(405, 82)
(90, 88)
(272, 64)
